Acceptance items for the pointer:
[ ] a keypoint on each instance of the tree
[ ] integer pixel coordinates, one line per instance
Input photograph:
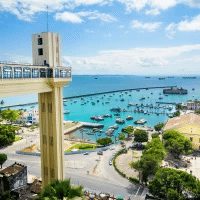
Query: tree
(11, 115)
(121, 137)
(140, 136)
(2, 102)
(155, 135)
(176, 114)
(104, 141)
(129, 130)
(177, 143)
(59, 190)
(179, 107)
(169, 184)
(3, 158)
(159, 126)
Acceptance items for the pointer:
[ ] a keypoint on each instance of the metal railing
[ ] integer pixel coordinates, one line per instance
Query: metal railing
(17, 71)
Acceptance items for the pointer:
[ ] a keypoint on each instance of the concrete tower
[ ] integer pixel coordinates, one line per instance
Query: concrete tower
(46, 49)
(46, 77)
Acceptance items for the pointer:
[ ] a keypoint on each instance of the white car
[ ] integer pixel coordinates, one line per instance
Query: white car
(112, 148)
(110, 162)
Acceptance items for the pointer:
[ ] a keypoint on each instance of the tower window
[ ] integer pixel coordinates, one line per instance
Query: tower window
(40, 52)
(39, 41)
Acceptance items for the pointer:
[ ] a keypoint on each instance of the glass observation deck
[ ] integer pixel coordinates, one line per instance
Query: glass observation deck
(21, 71)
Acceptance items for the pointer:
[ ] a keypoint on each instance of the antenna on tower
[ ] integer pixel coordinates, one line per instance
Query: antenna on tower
(47, 20)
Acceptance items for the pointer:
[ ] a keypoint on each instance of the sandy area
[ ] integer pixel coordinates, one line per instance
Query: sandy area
(123, 161)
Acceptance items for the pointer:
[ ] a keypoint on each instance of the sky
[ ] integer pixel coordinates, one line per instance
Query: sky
(134, 37)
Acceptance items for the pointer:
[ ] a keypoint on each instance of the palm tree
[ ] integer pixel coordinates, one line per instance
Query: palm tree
(2, 102)
(59, 190)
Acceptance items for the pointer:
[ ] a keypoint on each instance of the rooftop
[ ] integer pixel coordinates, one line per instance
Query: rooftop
(12, 169)
(188, 123)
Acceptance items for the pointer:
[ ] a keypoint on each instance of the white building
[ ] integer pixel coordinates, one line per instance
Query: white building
(30, 118)
(193, 105)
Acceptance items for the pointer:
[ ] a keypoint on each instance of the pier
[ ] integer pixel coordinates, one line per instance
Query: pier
(172, 103)
(87, 95)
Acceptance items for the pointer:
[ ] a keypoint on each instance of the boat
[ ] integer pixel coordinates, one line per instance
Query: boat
(75, 101)
(137, 90)
(66, 112)
(93, 103)
(116, 126)
(117, 114)
(141, 121)
(193, 89)
(107, 102)
(116, 109)
(160, 97)
(110, 132)
(120, 121)
(161, 78)
(122, 100)
(64, 100)
(147, 77)
(129, 117)
(99, 118)
(64, 104)
(107, 115)
(93, 117)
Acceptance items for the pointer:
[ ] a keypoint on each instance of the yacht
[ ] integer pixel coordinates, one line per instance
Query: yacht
(129, 117)
(66, 112)
(107, 115)
(99, 118)
(120, 121)
(141, 121)
(116, 126)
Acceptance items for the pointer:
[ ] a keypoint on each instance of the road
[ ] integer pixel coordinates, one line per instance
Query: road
(101, 176)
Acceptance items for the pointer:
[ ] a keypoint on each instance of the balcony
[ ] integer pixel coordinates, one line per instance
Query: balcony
(20, 79)
(18, 71)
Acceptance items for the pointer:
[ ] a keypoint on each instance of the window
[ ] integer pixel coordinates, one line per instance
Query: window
(39, 41)
(7, 72)
(40, 52)
(18, 72)
(42, 73)
(191, 139)
(35, 73)
(57, 72)
(50, 73)
(27, 72)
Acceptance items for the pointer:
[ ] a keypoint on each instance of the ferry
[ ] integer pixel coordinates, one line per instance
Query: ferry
(141, 121)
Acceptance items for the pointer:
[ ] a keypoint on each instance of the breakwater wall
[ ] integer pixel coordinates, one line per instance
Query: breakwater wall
(93, 94)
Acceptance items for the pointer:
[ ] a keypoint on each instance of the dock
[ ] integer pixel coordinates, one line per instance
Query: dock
(172, 103)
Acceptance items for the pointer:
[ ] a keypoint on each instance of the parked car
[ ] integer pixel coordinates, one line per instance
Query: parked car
(112, 148)
(86, 153)
(100, 153)
(110, 162)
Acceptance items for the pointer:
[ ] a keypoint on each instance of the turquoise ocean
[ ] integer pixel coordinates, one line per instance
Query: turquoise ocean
(88, 84)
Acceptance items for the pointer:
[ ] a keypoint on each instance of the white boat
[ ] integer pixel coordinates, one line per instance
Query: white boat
(120, 121)
(129, 117)
(99, 118)
(116, 126)
(141, 121)
(66, 112)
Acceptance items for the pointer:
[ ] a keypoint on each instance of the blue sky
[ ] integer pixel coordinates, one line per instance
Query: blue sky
(139, 37)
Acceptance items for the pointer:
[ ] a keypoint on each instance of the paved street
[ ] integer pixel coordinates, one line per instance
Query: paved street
(101, 177)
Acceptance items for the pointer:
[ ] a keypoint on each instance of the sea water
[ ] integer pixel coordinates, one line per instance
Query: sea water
(82, 84)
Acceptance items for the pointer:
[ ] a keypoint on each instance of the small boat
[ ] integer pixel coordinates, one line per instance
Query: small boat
(120, 121)
(64, 104)
(64, 100)
(107, 115)
(122, 100)
(137, 90)
(193, 89)
(151, 92)
(116, 126)
(141, 121)
(160, 97)
(75, 101)
(116, 109)
(93, 117)
(107, 102)
(143, 98)
(99, 118)
(93, 103)
(129, 117)
(66, 112)
(117, 114)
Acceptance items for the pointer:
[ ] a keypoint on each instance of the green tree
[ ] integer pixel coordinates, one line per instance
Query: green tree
(140, 136)
(159, 126)
(169, 184)
(11, 115)
(176, 114)
(59, 190)
(7, 134)
(176, 143)
(104, 141)
(121, 137)
(3, 158)
(155, 135)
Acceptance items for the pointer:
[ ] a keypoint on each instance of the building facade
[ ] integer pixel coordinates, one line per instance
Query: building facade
(193, 105)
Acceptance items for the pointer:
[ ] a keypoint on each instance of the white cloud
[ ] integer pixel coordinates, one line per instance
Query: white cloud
(186, 25)
(137, 61)
(68, 17)
(26, 9)
(89, 31)
(121, 26)
(154, 11)
(77, 17)
(150, 27)
(155, 6)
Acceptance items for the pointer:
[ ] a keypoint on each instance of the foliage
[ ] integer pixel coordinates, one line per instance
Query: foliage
(155, 135)
(159, 126)
(114, 162)
(176, 114)
(104, 141)
(121, 137)
(169, 184)
(17, 139)
(140, 136)
(32, 128)
(128, 129)
(82, 146)
(135, 180)
(59, 189)
(11, 115)
(7, 134)
(37, 124)
(179, 107)
(3, 158)
(153, 155)
(177, 143)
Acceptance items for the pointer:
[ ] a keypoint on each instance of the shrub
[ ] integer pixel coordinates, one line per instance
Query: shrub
(134, 180)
